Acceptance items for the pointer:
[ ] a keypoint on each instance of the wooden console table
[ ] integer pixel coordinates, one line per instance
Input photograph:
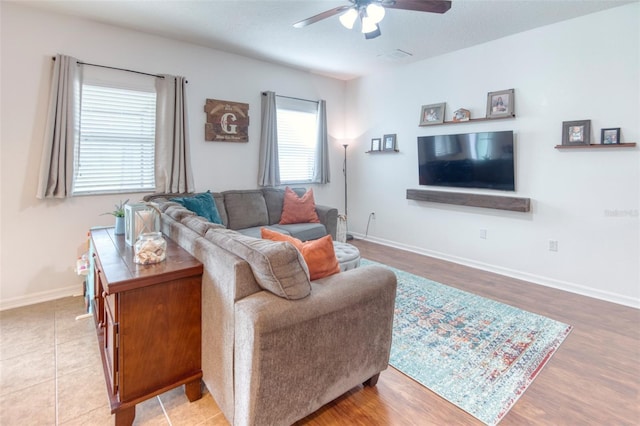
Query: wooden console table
(148, 322)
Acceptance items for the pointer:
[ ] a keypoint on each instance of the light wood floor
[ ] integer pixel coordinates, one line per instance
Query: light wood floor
(593, 379)
(51, 373)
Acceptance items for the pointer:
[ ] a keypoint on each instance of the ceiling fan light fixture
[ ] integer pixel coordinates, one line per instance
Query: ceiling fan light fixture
(375, 12)
(348, 18)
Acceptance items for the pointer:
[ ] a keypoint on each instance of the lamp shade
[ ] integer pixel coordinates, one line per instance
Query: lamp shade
(375, 12)
(349, 18)
(368, 26)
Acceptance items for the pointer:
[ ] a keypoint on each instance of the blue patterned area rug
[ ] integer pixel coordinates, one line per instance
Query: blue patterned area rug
(478, 354)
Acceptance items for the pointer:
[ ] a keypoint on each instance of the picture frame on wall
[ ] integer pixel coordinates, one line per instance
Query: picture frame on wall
(432, 114)
(389, 142)
(500, 103)
(376, 144)
(610, 136)
(576, 132)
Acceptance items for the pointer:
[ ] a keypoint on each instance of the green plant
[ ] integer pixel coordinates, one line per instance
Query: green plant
(119, 211)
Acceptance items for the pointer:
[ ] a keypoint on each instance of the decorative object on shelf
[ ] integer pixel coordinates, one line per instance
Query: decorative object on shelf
(140, 218)
(461, 115)
(501, 103)
(576, 132)
(226, 121)
(432, 114)
(118, 213)
(150, 248)
(389, 142)
(610, 136)
(376, 144)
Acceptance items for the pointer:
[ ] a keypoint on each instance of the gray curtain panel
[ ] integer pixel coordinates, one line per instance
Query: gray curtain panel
(269, 169)
(173, 163)
(321, 170)
(61, 131)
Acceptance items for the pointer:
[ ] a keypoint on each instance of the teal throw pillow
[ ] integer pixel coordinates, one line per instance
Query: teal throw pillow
(203, 205)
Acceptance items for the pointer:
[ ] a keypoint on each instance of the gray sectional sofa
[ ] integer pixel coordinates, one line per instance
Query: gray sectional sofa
(276, 346)
(246, 211)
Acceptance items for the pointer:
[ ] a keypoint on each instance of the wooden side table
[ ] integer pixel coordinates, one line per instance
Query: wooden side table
(148, 321)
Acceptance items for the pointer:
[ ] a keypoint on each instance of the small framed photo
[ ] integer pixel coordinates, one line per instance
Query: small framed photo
(500, 104)
(376, 144)
(610, 136)
(461, 115)
(389, 142)
(432, 114)
(576, 132)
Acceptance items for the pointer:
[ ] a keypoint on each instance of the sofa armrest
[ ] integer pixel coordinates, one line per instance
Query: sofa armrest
(292, 357)
(329, 218)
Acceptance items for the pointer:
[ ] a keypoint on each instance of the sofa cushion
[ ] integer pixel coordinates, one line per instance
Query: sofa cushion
(319, 254)
(201, 204)
(178, 212)
(303, 231)
(298, 209)
(219, 199)
(245, 209)
(278, 267)
(254, 231)
(199, 224)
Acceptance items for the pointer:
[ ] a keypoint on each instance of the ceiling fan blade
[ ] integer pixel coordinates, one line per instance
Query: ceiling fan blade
(433, 6)
(320, 16)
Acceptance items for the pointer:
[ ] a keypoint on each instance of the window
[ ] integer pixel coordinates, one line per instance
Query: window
(297, 139)
(116, 143)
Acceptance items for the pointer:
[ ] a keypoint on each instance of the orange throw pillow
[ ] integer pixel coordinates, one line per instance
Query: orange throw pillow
(298, 209)
(318, 254)
(268, 234)
(320, 257)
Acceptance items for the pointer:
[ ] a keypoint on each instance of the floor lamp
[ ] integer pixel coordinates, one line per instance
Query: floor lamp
(344, 171)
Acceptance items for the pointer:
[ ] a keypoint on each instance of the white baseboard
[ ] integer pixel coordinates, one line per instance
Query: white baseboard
(535, 279)
(44, 296)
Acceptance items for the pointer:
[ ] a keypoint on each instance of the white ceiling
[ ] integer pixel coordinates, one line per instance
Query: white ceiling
(263, 29)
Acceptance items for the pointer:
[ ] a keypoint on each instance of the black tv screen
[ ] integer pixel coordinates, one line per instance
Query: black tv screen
(472, 160)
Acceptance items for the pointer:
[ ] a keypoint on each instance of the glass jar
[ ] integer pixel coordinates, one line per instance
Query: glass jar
(150, 248)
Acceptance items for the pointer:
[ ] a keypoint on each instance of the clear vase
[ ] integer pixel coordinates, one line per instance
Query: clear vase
(150, 248)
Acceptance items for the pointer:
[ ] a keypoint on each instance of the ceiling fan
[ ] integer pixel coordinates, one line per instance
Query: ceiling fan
(371, 12)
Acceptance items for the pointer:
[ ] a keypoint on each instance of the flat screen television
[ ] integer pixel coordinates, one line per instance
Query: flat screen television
(473, 160)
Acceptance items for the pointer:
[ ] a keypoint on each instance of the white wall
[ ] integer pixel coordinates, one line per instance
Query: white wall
(587, 200)
(40, 240)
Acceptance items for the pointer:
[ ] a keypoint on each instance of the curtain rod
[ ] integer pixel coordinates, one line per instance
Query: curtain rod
(290, 97)
(121, 69)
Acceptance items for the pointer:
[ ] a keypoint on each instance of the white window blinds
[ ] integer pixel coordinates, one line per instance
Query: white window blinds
(297, 139)
(116, 148)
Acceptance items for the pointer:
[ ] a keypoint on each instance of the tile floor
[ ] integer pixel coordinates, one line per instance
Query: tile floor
(51, 374)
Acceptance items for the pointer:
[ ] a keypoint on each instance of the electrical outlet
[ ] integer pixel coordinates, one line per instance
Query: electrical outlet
(483, 234)
(553, 245)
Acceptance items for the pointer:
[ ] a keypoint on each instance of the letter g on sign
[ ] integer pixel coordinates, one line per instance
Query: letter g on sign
(224, 123)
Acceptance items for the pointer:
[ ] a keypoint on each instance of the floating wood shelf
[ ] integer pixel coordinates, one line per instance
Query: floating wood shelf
(499, 202)
(598, 145)
(471, 120)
